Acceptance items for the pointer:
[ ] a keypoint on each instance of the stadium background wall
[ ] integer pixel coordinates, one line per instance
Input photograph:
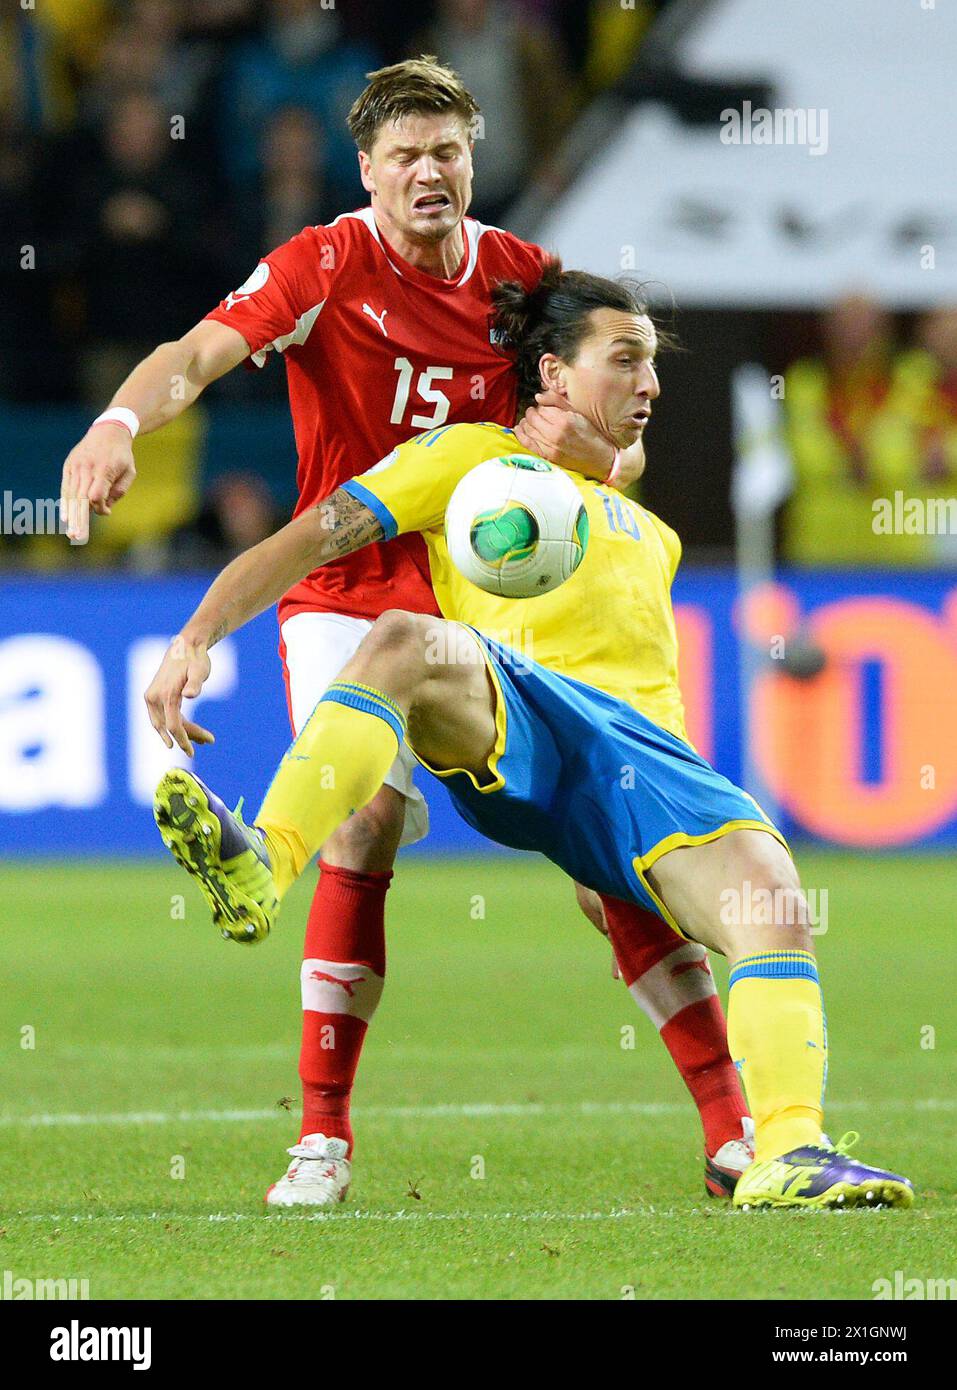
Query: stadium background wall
(861, 755)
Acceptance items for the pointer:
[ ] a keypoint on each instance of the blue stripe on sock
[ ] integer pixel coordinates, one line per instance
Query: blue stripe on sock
(358, 689)
(368, 704)
(774, 967)
(382, 702)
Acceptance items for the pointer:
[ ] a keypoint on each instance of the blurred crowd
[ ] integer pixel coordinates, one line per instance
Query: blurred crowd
(870, 415)
(152, 150)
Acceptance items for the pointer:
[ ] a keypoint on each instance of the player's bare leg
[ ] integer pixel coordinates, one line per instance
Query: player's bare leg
(741, 895)
(436, 673)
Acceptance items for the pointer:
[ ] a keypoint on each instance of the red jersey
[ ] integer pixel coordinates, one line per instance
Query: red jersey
(376, 351)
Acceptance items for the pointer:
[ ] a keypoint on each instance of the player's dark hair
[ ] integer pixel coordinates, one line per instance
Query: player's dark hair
(553, 317)
(418, 85)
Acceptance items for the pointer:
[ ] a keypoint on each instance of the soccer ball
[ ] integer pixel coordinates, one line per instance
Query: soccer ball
(516, 526)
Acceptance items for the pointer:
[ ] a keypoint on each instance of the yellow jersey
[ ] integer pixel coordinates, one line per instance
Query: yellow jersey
(610, 625)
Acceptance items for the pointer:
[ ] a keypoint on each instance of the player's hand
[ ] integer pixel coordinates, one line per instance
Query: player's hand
(590, 903)
(552, 429)
(98, 472)
(182, 674)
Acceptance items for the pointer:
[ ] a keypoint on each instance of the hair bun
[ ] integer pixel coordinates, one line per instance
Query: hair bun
(517, 308)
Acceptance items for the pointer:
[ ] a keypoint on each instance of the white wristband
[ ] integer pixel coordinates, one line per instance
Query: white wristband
(119, 415)
(615, 468)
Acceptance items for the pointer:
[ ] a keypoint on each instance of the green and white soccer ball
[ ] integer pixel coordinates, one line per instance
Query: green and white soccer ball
(516, 526)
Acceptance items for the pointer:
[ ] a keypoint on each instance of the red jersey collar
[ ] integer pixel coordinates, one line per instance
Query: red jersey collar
(471, 232)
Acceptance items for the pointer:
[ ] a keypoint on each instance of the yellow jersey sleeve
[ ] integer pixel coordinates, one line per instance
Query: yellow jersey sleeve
(410, 488)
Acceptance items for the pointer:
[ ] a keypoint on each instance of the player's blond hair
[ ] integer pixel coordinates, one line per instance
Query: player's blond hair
(416, 85)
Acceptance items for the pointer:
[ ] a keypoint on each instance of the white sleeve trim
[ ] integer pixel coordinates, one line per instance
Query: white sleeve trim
(304, 326)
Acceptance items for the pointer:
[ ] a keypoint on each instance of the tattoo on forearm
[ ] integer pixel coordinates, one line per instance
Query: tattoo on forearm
(349, 523)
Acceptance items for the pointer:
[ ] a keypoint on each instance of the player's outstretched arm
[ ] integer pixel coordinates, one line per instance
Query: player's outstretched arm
(100, 469)
(246, 587)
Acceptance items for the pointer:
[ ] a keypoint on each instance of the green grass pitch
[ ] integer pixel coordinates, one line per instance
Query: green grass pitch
(509, 1146)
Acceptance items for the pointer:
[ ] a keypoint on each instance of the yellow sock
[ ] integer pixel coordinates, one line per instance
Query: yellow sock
(336, 765)
(778, 1038)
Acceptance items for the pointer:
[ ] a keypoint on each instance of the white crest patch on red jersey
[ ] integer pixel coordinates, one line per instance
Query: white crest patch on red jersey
(249, 287)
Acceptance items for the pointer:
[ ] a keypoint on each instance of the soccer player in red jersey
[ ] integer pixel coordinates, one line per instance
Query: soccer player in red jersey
(383, 320)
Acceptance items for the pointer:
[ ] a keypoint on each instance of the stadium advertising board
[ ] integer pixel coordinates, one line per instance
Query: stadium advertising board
(861, 754)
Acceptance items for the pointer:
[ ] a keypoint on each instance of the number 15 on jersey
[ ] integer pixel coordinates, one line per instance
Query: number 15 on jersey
(425, 392)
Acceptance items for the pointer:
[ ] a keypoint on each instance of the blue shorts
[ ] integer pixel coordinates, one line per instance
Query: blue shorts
(592, 784)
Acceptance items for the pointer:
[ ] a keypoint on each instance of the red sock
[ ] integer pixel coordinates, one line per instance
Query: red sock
(670, 979)
(343, 972)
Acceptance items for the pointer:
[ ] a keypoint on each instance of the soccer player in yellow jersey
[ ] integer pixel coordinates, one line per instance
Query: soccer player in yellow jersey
(531, 711)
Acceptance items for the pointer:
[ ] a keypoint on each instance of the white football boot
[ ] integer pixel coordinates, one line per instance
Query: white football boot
(722, 1169)
(318, 1175)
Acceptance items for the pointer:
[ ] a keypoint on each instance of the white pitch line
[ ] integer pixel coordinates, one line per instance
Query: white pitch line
(223, 1218)
(173, 1218)
(479, 1109)
(476, 1110)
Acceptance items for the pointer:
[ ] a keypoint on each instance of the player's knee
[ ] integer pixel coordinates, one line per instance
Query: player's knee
(417, 650)
(398, 636)
(768, 896)
(397, 626)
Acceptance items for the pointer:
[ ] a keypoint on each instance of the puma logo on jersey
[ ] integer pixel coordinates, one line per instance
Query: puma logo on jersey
(379, 318)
